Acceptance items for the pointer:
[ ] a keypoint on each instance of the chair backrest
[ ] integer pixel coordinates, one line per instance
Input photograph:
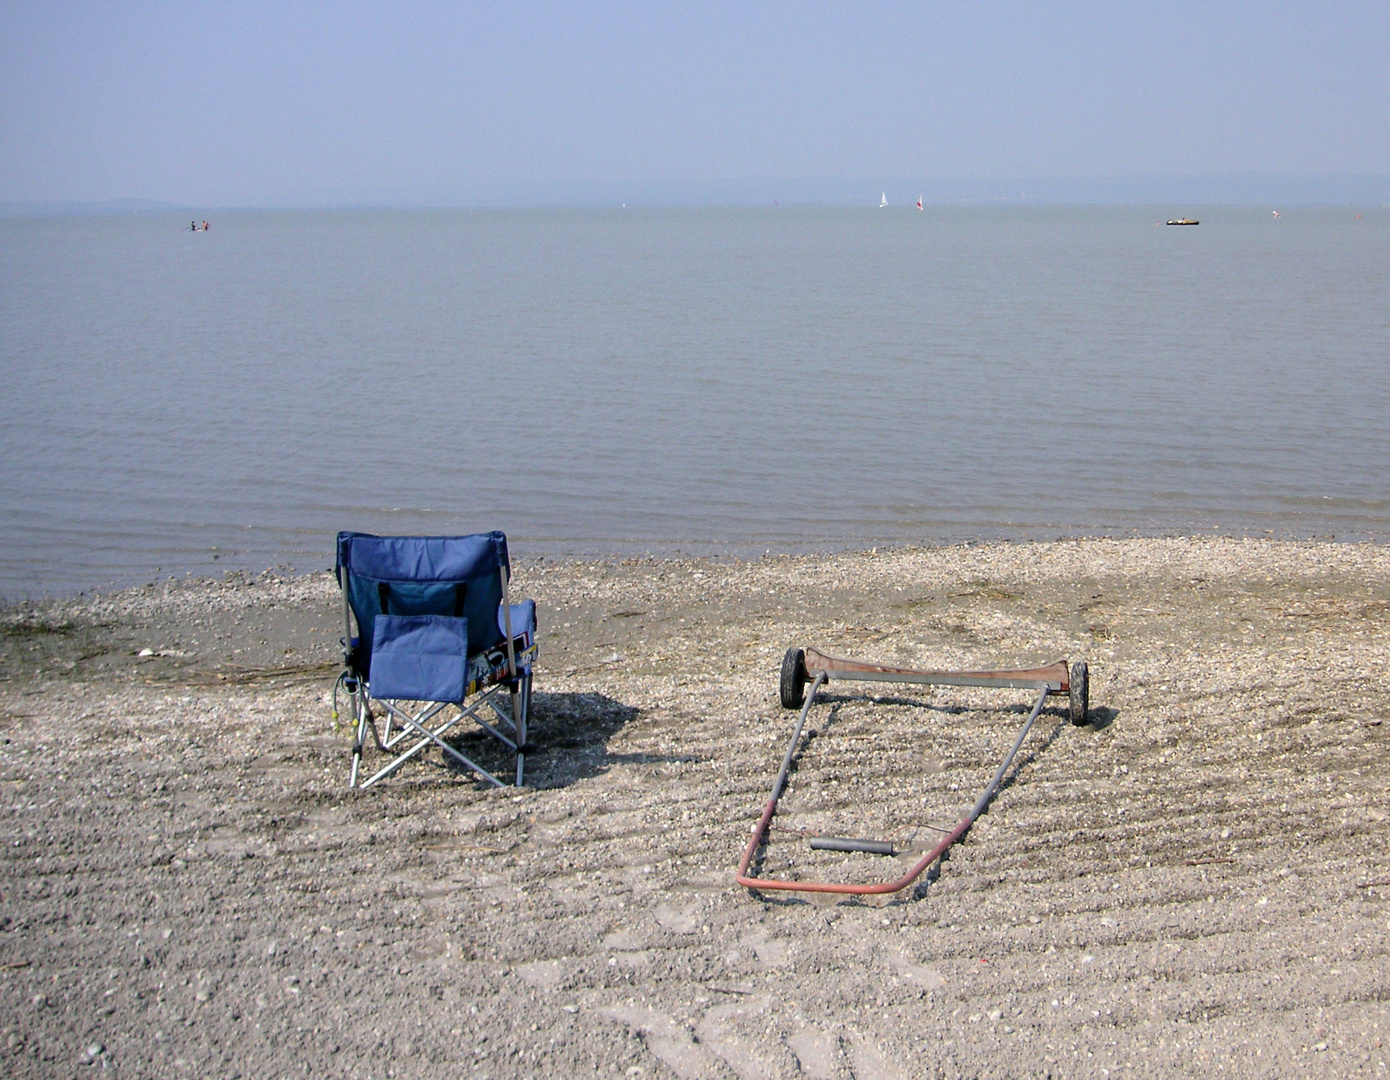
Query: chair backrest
(424, 575)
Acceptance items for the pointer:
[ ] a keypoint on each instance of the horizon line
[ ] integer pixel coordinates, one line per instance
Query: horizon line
(1216, 189)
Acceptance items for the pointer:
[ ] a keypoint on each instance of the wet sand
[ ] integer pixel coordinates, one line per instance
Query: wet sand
(1196, 882)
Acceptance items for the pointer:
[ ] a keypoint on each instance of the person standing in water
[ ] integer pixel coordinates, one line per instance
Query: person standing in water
(205, 226)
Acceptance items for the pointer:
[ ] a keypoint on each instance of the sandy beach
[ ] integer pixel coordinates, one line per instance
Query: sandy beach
(1197, 882)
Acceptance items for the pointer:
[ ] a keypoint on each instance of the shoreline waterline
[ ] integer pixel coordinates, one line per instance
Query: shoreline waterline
(742, 558)
(524, 549)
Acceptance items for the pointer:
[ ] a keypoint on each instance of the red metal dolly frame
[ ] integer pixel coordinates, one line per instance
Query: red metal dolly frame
(802, 665)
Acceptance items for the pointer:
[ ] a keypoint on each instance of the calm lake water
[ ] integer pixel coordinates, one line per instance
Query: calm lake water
(701, 381)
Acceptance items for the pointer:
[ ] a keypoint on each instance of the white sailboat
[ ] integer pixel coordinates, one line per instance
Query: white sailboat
(883, 200)
(919, 202)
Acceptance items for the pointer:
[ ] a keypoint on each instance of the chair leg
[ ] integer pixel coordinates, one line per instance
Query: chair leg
(521, 705)
(359, 736)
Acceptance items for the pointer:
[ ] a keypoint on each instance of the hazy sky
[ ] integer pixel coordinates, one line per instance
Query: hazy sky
(283, 103)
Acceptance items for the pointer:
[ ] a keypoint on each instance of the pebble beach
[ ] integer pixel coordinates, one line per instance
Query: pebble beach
(1195, 882)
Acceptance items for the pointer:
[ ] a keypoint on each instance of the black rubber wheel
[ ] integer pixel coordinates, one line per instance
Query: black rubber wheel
(792, 688)
(1080, 694)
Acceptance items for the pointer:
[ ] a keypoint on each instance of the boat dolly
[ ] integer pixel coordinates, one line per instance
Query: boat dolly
(802, 666)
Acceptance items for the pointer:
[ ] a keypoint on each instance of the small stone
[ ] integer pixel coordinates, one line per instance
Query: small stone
(95, 1050)
(145, 652)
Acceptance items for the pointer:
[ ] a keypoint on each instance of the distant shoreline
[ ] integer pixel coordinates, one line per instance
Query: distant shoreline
(1362, 192)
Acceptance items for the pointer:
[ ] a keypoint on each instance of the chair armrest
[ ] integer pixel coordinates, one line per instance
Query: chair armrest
(523, 620)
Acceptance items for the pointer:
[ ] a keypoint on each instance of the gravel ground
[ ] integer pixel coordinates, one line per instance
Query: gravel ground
(1195, 883)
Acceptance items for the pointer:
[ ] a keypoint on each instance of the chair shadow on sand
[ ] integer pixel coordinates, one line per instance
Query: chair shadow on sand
(570, 734)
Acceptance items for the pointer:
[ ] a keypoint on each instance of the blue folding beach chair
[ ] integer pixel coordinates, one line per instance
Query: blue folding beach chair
(435, 625)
